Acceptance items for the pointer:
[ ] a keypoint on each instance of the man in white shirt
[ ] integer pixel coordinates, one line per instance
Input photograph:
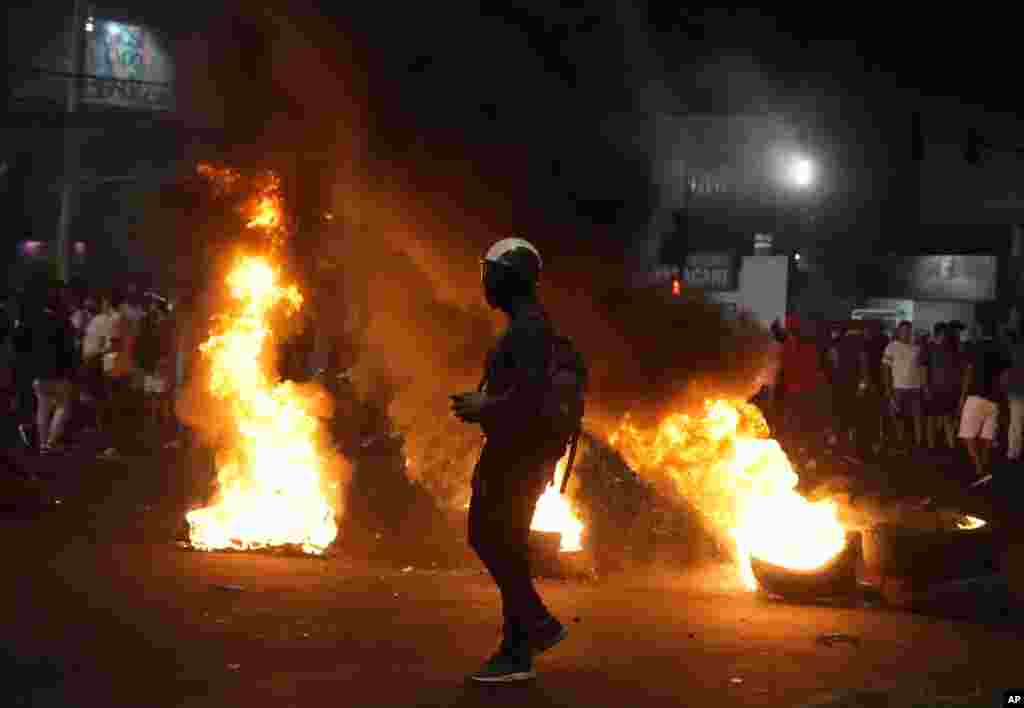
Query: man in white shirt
(97, 333)
(905, 382)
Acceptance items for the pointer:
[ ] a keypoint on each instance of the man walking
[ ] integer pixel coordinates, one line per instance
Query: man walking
(518, 458)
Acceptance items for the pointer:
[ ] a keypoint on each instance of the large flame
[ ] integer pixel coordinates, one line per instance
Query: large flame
(554, 513)
(742, 481)
(271, 486)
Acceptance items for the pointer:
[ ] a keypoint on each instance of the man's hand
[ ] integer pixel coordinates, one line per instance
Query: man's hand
(468, 407)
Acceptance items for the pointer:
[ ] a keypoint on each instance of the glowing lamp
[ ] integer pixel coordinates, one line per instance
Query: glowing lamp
(801, 172)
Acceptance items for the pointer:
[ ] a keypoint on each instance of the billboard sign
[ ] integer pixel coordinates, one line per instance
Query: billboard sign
(127, 66)
(944, 277)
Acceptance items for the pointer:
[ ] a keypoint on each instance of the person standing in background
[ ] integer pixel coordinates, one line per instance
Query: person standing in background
(1013, 384)
(118, 367)
(49, 343)
(803, 380)
(944, 374)
(847, 395)
(905, 380)
(979, 419)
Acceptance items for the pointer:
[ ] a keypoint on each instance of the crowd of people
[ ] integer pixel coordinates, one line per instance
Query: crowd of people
(77, 363)
(872, 392)
(81, 364)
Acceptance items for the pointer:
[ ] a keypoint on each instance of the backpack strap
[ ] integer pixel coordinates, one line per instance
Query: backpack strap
(572, 458)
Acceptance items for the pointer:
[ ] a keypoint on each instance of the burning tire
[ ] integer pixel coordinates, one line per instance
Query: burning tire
(547, 560)
(836, 578)
(903, 561)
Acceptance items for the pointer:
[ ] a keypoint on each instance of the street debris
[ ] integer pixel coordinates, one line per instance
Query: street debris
(833, 638)
(735, 680)
(408, 569)
(230, 588)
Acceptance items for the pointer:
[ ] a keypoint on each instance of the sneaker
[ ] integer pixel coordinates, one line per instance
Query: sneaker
(25, 434)
(980, 481)
(546, 635)
(505, 667)
(110, 454)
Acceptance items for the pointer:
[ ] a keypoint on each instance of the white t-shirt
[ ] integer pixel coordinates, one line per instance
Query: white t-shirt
(120, 361)
(97, 334)
(904, 360)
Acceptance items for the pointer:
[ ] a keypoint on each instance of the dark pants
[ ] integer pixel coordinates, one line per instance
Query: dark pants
(806, 413)
(506, 487)
(845, 406)
(25, 397)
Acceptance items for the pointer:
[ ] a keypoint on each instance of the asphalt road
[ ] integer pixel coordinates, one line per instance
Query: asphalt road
(101, 609)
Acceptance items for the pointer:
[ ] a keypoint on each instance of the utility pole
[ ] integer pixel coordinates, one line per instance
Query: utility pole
(69, 186)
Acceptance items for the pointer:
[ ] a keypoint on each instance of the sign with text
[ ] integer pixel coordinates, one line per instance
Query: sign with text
(715, 271)
(128, 66)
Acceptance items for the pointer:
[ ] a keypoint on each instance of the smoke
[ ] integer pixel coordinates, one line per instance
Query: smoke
(412, 265)
(414, 211)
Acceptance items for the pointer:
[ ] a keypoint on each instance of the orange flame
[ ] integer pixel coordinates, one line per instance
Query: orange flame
(554, 513)
(741, 481)
(271, 487)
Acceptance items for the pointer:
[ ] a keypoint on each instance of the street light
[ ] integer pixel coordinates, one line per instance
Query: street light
(800, 171)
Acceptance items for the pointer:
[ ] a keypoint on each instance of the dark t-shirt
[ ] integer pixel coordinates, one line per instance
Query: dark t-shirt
(516, 379)
(849, 354)
(988, 363)
(944, 367)
(46, 348)
(875, 349)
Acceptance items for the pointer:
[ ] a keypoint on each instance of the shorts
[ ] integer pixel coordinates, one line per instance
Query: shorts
(980, 418)
(907, 402)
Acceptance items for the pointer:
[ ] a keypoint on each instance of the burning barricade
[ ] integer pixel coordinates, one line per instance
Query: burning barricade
(277, 478)
(723, 462)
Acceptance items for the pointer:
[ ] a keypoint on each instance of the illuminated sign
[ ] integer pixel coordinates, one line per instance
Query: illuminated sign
(127, 66)
(943, 277)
